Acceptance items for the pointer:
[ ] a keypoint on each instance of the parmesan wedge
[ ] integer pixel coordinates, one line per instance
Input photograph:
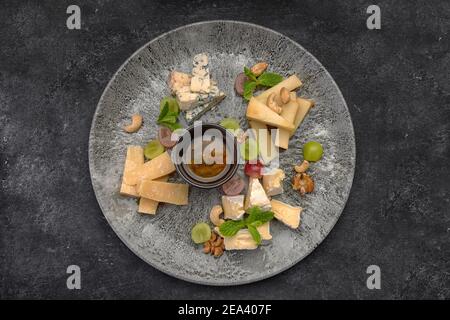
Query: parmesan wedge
(160, 166)
(303, 108)
(175, 193)
(290, 83)
(128, 191)
(149, 206)
(289, 112)
(287, 214)
(258, 111)
(133, 160)
(266, 147)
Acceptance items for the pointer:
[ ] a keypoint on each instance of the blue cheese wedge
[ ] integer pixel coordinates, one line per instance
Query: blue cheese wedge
(273, 182)
(233, 207)
(178, 80)
(256, 196)
(196, 93)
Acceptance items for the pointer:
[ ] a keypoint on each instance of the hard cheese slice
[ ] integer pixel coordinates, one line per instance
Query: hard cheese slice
(303, 108)
(287, 214)
(266, 147)
(149, 206)
(175, 193)
(160, 166)
(256, 110)
(133, 160)
(289, 112)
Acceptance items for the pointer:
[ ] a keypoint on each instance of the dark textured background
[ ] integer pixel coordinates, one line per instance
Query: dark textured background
(395, 80)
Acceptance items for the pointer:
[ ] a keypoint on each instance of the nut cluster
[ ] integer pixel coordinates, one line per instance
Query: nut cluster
(214, 245)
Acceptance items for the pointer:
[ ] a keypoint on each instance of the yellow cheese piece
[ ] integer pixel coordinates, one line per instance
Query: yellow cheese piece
(266, 147)
(303, 108)
(256, 110)
(290, 83)
(160, 166)
(134, 159)
(149, 206)
(287, 214)
(289, 112)
(175, 193)
(128, 191)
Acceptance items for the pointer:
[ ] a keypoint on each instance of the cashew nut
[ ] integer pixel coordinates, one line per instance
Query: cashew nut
(214, 215)
(272, 104)
(259, 68)
(136, 123)
(285, 95)
(303, 167)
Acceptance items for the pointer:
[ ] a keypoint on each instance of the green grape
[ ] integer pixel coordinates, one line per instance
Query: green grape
(312, 151)
(201, 232)
(173, 104)
(249, 149)
(230, 124)
(153, 149)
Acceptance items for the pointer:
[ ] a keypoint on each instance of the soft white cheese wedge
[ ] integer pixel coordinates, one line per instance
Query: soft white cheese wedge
(287, 214)
(243, 240)
(233, 207)
(273, 182)
(256, 196)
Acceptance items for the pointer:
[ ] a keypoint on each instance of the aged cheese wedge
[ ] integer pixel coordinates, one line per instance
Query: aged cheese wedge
(289, 112)
(303, 108)
(243, 240)
(291, 83)
(256, 110)
(133, 160)
(128, 191)
(160, 166)
(175, 193)
(149, 206)
(266, 147)
(287, 214)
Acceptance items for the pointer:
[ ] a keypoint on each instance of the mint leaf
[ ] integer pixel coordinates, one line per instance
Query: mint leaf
(231, 227)
(249, 74)
(164, 111)
(269, 79)
(249, 88)
(257, 215)
(255, 234)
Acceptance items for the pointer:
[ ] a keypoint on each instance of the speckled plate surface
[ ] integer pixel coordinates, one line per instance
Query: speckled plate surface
(164, 240)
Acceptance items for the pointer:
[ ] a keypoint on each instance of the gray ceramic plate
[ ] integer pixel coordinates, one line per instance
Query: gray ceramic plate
(164, 240)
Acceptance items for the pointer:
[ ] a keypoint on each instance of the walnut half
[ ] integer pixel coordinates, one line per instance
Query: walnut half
(303, 183)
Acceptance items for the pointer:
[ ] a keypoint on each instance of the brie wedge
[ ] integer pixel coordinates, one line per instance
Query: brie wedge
(287, 214)
(256, 196)
(273, 182)
(233, 207)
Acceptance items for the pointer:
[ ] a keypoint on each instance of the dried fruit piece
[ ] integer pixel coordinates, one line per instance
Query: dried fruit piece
(239, 83)
(234, 186)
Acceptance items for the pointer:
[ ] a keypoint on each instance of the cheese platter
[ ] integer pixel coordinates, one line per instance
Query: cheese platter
(263, 199)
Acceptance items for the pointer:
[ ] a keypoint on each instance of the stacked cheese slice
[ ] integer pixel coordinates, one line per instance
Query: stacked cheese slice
(261, 117)
(148, 181)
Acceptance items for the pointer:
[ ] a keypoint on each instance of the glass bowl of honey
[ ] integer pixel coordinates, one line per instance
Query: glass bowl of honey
(206, 155)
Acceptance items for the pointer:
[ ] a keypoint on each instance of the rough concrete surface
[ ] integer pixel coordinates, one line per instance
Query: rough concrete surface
(396, 84)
